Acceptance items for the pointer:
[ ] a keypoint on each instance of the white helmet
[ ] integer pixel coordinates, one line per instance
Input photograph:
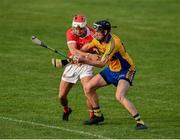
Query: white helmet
(79, 21)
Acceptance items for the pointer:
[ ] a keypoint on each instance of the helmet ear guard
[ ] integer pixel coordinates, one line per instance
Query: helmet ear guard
(96, 26)
(103, 26)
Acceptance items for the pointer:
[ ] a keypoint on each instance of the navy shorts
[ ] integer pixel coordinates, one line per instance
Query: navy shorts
(113, 77)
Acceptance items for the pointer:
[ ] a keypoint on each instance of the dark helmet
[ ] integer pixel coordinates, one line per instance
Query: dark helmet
(103, 26)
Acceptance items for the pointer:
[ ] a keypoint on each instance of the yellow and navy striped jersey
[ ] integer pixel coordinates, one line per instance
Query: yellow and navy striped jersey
(118, 57)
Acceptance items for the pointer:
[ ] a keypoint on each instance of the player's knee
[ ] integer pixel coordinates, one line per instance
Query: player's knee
(62, 97)
(63, 100)
(88, 88)
(120, 98)
(62, 94)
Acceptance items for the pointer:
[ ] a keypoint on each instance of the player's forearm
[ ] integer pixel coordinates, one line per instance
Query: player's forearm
(79, 52)
(92, 61)
(86, 48)
(98, 64)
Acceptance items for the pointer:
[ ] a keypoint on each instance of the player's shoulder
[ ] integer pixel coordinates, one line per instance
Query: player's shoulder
(95, 41)
(70, 31)
(115, 37)
(70, 34)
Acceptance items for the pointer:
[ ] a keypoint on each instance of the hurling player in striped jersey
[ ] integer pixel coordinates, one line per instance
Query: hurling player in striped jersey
(120, 70)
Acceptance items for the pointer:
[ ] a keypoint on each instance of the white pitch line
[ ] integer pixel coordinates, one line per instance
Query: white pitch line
(53, 127)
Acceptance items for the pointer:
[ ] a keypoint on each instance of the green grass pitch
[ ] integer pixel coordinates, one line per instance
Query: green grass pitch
(29, 108)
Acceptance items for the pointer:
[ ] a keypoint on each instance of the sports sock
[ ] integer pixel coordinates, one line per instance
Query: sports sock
(97, 112)
(91, 113)
(138, 119)
(66, 109)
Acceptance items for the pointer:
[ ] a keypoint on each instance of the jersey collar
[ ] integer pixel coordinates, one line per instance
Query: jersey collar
(108, 38)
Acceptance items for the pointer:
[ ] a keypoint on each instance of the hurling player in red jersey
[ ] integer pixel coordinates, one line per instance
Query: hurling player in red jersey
(78, 35)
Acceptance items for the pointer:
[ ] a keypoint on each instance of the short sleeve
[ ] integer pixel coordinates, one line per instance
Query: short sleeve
(70, 37)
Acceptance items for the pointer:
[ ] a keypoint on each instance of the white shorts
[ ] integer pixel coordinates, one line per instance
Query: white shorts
(73, 72)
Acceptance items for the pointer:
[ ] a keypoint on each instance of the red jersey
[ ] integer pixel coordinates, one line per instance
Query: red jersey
(80, 41)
